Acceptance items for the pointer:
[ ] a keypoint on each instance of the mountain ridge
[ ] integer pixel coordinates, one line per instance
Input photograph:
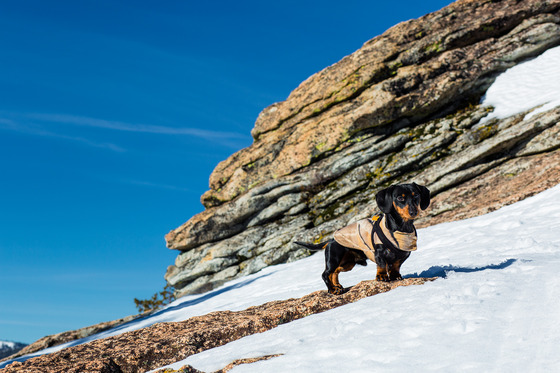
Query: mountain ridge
(8, 348)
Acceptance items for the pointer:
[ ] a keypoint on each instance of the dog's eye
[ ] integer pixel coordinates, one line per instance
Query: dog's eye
(400, 199)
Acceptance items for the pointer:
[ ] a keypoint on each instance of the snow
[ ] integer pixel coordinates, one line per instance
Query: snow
(7, 345)
(495, 307)
(532, 84)
(8, 348)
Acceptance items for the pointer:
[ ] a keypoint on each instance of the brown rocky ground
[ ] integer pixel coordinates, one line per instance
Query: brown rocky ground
(165, 343)
(68, 336)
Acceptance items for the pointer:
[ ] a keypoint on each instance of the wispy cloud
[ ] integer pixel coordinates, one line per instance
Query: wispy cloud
(8, 124)
(129, 127)
(36, 124)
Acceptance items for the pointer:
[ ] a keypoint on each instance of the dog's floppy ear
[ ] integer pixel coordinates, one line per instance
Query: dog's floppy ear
(424, 196)
(384, 199)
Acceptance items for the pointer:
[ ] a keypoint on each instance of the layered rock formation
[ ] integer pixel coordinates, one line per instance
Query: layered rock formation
(402, 108)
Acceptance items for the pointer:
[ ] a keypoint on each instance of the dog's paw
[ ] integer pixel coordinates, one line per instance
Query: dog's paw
(336, 290)
(382, 277)
(396, 277)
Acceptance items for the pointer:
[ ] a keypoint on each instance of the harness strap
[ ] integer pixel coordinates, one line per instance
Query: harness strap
(363, 241)
(377, 230)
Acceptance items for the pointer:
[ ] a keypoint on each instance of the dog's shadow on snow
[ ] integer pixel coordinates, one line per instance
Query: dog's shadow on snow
(442, 271)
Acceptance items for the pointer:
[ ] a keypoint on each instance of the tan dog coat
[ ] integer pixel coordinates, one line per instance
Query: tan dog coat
(359, 236)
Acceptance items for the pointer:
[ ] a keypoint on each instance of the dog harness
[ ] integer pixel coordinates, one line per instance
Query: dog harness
(366, 233)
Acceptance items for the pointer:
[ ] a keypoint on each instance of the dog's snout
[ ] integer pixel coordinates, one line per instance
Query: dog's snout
(412, 210)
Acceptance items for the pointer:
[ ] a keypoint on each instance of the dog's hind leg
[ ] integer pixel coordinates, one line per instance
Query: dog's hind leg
(338, 259)
(331, 280)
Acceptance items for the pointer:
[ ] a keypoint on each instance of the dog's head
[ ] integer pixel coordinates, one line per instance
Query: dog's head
(404, 199)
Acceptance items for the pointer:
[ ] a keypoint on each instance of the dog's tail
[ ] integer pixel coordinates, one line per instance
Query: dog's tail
(311, 246)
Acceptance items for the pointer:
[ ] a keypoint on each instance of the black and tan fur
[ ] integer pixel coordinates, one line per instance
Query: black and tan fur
(400, 204)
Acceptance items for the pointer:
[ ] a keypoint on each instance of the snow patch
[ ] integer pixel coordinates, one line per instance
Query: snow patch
(6, 344)
(534, 84)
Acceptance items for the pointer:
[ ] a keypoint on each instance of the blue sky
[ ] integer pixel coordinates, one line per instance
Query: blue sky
(113, 114)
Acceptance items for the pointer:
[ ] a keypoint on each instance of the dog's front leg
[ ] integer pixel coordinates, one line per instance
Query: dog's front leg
(395, 271)
(382, 273)
(382, 266)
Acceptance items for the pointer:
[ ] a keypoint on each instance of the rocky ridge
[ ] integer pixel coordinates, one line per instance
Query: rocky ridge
(165, 343)
(71, 335)
(404, 107)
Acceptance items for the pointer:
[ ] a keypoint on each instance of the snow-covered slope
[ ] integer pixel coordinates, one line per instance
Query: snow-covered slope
(496, 307)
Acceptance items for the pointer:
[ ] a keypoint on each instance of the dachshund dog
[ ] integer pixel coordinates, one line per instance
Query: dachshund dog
(387, 240)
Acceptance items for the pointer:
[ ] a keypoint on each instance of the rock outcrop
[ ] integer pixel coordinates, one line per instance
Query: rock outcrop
(71, 335)
(165, 343)
(404, 107)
